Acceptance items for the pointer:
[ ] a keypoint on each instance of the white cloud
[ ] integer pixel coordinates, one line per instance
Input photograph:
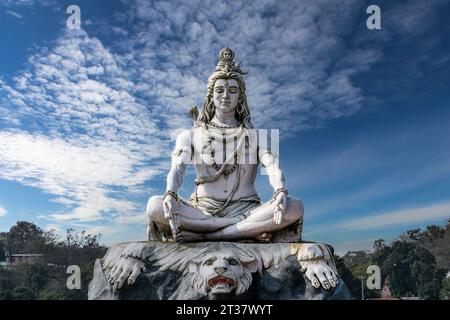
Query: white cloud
(291, 50)
(27, 3)
(412, 216)
(79, 175)
(141, 219)
(14, 14)
(2, 211)
(55, 227)
(86, 134)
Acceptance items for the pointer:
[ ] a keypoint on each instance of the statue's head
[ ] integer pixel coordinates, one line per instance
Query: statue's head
(226, 91)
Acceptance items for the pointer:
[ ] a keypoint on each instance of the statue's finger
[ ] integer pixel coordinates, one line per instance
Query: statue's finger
(167, 214)
(279, 214)
(172, 227)
(176, 221)
(276, 217)
(167, 210)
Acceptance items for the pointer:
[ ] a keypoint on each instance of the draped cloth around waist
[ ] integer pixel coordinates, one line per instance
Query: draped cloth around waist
(235, 208)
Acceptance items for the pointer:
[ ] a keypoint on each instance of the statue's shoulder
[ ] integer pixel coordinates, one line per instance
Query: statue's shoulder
(188, 136)
(184, 138)
(185, 133)
(198, 127)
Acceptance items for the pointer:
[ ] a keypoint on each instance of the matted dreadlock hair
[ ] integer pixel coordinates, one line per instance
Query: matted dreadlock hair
(226, 69)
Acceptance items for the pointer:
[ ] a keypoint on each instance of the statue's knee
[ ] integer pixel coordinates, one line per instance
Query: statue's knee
(296, 208)
(154, 205)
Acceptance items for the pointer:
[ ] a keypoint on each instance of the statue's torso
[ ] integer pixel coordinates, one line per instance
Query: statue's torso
(223, 186)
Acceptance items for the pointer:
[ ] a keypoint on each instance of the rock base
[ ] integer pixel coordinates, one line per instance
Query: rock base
(216, 270)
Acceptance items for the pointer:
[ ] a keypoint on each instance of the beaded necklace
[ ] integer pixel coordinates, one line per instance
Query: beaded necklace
(224, 138)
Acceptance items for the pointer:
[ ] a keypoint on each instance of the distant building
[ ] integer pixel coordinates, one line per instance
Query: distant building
(24, 257)
(385, 293)
(410, 298)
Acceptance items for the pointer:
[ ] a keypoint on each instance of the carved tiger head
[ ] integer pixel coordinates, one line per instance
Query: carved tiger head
(222, 272)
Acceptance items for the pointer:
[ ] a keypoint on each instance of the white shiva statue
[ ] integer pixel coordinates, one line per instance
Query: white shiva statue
(224, 149)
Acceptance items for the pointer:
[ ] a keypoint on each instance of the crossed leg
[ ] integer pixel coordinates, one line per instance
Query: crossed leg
(190, 219)
(260, 221)
(194, 225)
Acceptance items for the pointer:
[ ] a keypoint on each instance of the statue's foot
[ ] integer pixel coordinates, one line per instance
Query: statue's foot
(264, 237)
(187, 236)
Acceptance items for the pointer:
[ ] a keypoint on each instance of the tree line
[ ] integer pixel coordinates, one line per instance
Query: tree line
(415, 264)
(46, 279)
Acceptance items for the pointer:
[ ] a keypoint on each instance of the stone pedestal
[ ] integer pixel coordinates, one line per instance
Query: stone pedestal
(215, 270)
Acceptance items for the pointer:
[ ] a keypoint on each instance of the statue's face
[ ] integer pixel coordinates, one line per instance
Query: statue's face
(227, 55)
(226, 95)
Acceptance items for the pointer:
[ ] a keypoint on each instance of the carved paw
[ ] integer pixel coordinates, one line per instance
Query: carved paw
(307, 251)
(320, 274)
(125, 269)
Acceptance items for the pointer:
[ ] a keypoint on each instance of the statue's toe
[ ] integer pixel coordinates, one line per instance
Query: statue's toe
(264, 237)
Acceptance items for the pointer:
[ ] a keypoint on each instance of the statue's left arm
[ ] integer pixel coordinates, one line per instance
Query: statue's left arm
(270, 162)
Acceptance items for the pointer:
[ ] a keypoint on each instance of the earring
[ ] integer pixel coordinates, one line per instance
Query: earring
(210, 106)
(240, 108)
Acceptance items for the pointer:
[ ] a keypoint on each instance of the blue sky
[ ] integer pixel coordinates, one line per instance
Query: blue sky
(88, 117)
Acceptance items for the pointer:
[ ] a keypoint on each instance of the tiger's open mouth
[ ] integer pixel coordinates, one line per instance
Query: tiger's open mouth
(221, 283)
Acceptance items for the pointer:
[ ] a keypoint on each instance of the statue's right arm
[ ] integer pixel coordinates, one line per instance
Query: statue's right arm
(181, 157)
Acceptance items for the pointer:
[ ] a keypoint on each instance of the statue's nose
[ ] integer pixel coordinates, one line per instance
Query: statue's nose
(220, 270)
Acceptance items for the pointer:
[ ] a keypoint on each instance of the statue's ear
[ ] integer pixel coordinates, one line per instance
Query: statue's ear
(193, 267)
(252, 266)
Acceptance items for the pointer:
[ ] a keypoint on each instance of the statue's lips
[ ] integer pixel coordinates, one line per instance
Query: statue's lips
(221, 281)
